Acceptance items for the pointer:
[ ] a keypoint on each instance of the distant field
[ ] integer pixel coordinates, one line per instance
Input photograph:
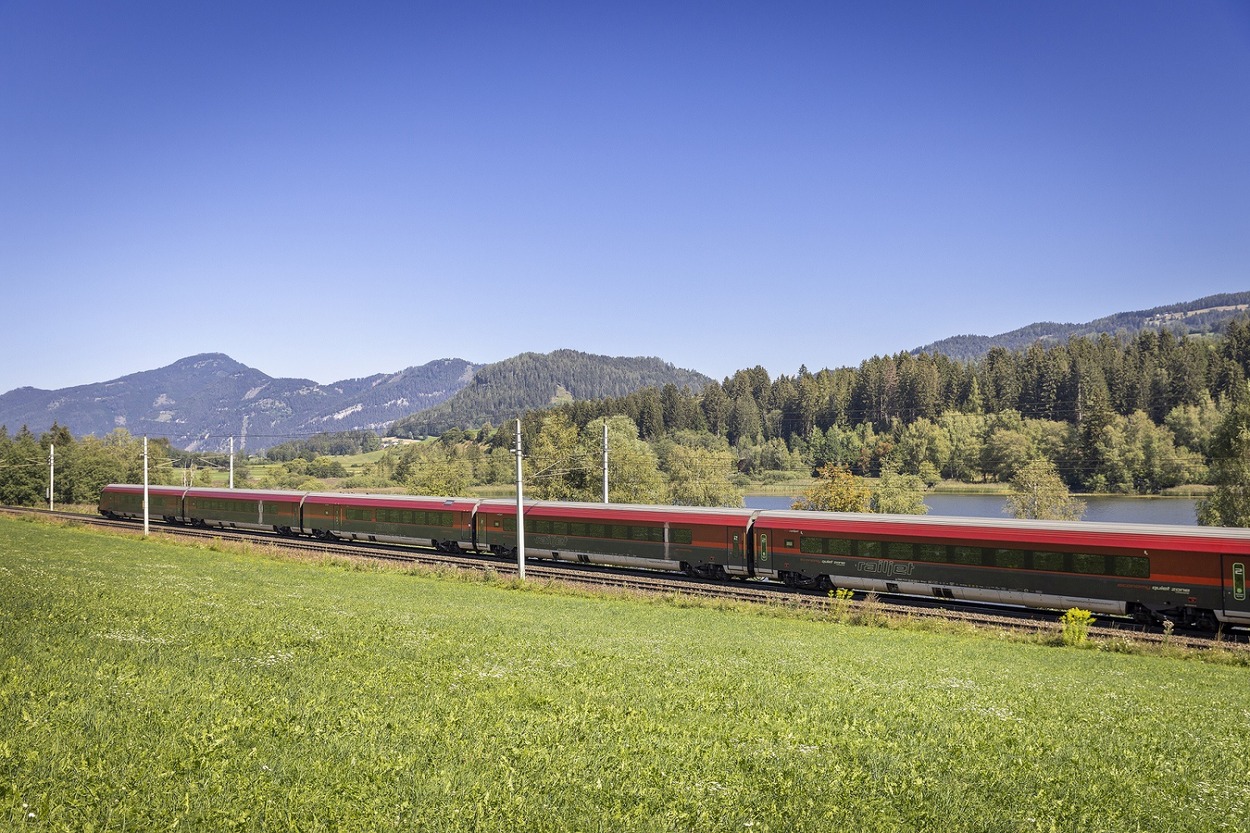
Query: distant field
(146, 685)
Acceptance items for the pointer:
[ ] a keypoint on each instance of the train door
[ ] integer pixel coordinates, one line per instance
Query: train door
(735, 544)
(763, 556)
(1236, 589)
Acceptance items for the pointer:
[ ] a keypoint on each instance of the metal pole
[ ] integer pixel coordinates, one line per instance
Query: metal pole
(520, 510)
(145, 485)
(605, 460)
(51, 477)
(232, 462)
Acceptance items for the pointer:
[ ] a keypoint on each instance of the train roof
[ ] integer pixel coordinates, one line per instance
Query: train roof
(407, 501)
(624, 511)
(138, 487)
(1015, 531)
(247, 494)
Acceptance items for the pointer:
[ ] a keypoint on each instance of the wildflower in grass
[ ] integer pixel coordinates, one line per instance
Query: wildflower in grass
(1076, 624)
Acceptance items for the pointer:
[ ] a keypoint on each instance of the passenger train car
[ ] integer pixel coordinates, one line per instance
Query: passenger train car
(1194, 576)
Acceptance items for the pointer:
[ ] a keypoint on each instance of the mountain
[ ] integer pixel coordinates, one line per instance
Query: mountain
(534, 380)
(1205, 315)
(201, 401)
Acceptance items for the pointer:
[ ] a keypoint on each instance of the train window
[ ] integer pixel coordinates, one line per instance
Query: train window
(577, 529)
(559, 528)
(935, 553)
(966, 555)
(354, 514)
(646, 533)
(1011, 559)
(1133, 566)
(812, 546)
(681, 536)
(1089, 564)
(898, 550)
(620, 531)
(539, 527)
(509, 523)
(838, 546)
(1052, 561)
(870, 549)
(596, 530)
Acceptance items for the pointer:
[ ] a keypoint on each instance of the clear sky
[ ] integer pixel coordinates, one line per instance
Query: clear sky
(331, 190)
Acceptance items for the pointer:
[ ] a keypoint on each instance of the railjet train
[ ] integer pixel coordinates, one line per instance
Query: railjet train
(1192, 576)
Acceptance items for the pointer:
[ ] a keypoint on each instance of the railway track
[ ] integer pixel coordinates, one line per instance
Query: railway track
(870, 609)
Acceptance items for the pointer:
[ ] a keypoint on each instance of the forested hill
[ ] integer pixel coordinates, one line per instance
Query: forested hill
(529, 381)
(1204, 315)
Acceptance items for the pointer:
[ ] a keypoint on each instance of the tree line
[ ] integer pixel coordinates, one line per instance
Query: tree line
(79, 468)
(1114, 414)
(330, 444)
(1127, 414)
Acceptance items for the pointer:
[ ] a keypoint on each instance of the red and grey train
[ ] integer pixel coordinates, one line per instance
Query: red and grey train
(1193, 576)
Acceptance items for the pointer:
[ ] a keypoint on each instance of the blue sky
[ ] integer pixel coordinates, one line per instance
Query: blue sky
(332, 190)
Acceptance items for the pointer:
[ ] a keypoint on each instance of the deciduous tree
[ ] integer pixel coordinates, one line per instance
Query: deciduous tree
(702, 476)
(1038, 492)
(1229, 504)
(836, 490)
(898, 494)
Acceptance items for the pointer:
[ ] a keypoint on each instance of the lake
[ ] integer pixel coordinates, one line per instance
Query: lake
(1137, 510)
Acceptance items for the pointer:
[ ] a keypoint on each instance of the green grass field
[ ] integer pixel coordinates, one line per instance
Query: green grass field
(146, 685)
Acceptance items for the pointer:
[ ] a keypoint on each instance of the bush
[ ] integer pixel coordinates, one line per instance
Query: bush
(1076, 624)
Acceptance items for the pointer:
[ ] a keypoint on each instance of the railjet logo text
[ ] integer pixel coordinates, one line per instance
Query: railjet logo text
(886, 568)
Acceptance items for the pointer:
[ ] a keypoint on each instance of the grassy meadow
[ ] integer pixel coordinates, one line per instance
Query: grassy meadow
(148, 685)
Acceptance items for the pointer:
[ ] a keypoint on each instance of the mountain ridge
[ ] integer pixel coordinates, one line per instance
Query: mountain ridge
(200, 401)
(1202, 315)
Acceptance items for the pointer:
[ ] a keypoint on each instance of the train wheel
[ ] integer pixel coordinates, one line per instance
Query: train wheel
(1206, 620)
